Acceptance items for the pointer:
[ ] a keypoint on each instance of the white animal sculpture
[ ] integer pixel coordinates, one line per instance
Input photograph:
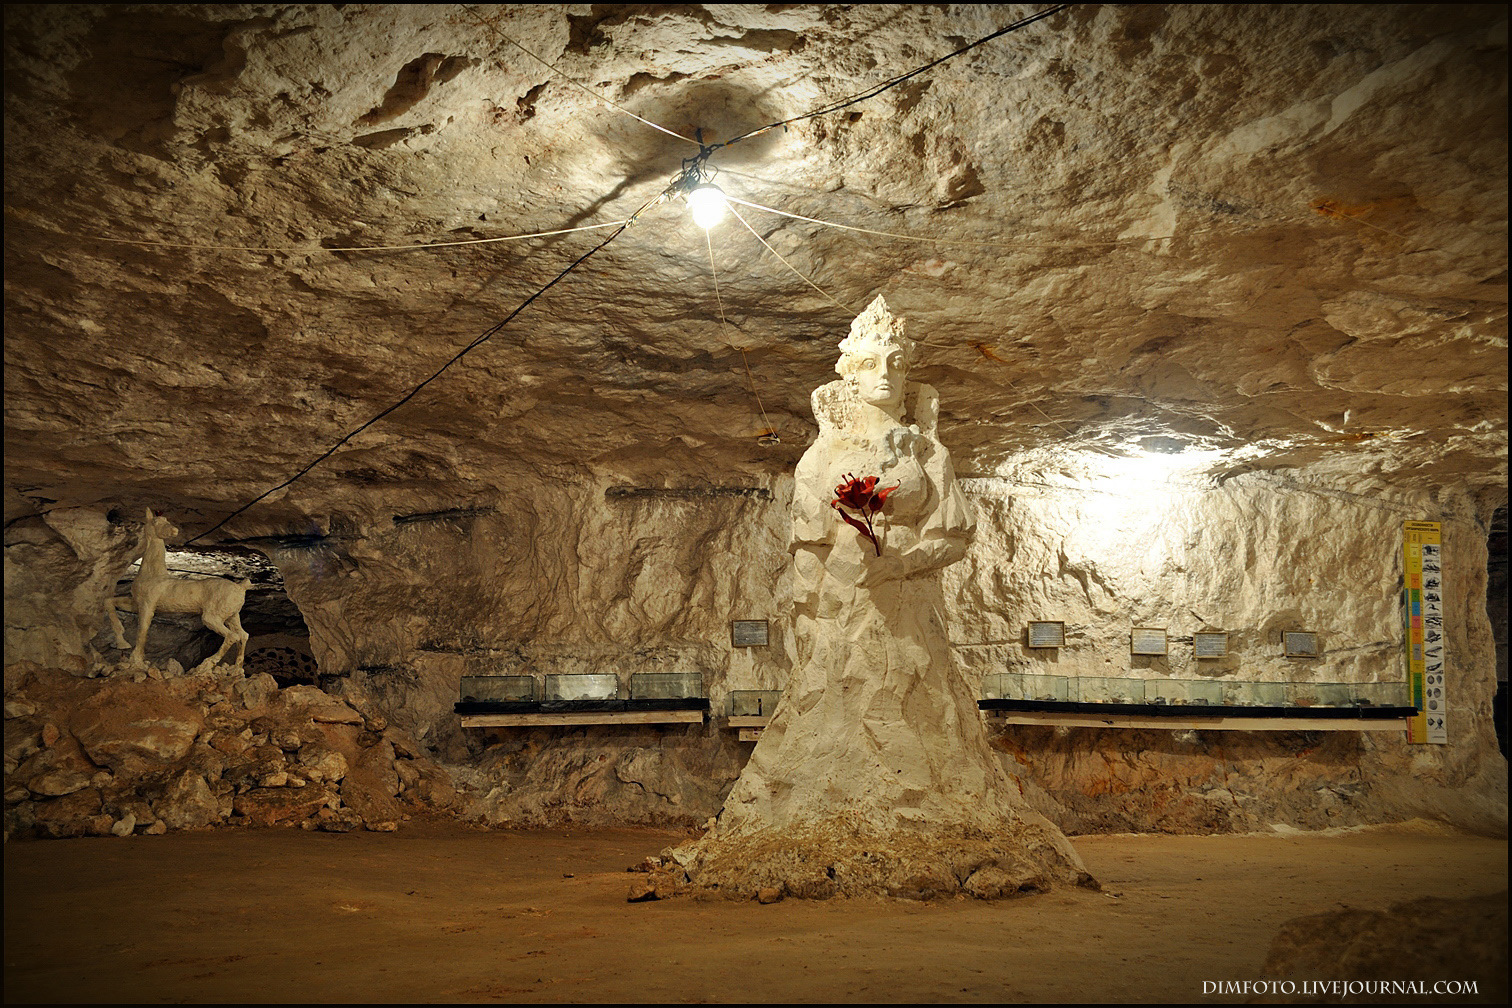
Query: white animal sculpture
(217, 600)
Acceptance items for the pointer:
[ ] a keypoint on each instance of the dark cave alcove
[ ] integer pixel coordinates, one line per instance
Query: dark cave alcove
(278, 638)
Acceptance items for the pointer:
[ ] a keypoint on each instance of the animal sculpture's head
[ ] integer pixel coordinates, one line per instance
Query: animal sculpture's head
(159, 526)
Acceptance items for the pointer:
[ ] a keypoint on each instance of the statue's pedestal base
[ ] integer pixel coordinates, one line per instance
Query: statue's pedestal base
(832, 858)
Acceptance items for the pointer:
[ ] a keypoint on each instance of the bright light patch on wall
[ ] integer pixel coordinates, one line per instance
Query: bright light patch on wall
(707, 203)
(1155, 460)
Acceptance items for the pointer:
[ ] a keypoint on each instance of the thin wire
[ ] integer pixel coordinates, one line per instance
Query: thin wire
(1265, 222)
(961, 241)
(895, 81)
(800, 276)
(986, 351)
(921, 342)
(784, 262)
(273, 248)
(487, 335)
(847, 227)
(704, 152)
(941, 346)
(496, 30)
(1339, 214)
(767, 428)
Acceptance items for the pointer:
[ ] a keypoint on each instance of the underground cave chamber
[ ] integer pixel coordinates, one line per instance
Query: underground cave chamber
(1192, 319)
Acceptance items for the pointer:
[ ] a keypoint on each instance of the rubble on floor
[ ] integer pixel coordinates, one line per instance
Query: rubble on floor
(150, 750)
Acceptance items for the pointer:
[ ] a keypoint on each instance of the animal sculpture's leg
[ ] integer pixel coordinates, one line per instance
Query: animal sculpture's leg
(145, 612)
(215, 623)
(241, 638)
(124, 602)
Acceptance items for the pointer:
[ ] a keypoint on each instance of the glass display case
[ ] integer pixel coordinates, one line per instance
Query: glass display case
(1204, 692)
(1335, 694)
(1002, 690)
(1110, 691)
(1166, 692)
(590, 686)
(1025, 686)
(1046, 687)
(498, 688)
(1301, 694)
(666, 685)
(1254, 694)
(1380, 694)
(754, 702)
(1003, 686)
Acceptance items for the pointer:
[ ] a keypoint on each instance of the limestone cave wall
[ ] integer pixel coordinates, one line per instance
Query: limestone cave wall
(1254, 555)
(593, 575)
(558, 578)
(1250, 237)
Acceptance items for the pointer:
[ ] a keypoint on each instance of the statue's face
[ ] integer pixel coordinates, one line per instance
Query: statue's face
(880, 372)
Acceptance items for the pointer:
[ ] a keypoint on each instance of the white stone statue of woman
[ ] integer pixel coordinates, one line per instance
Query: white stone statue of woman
(875, 775)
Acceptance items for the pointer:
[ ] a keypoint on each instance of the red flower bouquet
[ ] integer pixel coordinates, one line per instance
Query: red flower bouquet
(862, 496)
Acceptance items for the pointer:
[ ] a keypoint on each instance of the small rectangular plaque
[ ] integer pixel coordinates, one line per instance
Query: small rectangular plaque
(1299, 643)
(1148, 641)
(749, 633)
(1047, 634)
(1210, 645)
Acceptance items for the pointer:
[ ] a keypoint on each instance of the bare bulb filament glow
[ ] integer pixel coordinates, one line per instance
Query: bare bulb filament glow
(707, 202)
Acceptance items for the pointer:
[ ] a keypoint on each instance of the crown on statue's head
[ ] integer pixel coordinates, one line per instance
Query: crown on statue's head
(875, 327)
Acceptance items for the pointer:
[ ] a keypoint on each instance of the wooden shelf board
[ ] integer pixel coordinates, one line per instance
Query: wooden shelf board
(1220, 723)
(583, 718)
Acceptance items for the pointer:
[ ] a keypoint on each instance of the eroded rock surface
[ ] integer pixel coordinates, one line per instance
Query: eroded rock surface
(1266, 238)
(646, 583)
(1276, 231)
(1429, 940)
(128, 753)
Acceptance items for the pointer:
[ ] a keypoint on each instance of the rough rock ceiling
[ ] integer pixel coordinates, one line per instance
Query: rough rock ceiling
(1275, 232)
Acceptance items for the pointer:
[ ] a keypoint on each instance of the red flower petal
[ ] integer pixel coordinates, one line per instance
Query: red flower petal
(879, 499)
(852, 493)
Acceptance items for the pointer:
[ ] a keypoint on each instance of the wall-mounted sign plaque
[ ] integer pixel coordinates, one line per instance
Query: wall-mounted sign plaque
(1299, 644)
(1423, 595)
(1051, 634)
(749, 633)
(1210, 645)
(1148, 641)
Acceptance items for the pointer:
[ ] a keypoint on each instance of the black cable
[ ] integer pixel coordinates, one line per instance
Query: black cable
(693, 172)
(893, 82)
(487, 335)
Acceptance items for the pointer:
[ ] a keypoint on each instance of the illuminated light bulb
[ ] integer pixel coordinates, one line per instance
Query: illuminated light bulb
(708, 205)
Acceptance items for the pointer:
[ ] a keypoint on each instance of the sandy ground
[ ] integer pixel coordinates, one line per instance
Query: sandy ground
(442, 913)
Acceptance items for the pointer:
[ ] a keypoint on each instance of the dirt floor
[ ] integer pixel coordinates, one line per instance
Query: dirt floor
(443, 913)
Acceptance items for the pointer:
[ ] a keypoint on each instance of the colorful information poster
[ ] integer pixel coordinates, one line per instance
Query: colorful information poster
(1423, 611)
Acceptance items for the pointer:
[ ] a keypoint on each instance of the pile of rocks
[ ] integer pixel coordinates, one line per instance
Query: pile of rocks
(152, 750)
